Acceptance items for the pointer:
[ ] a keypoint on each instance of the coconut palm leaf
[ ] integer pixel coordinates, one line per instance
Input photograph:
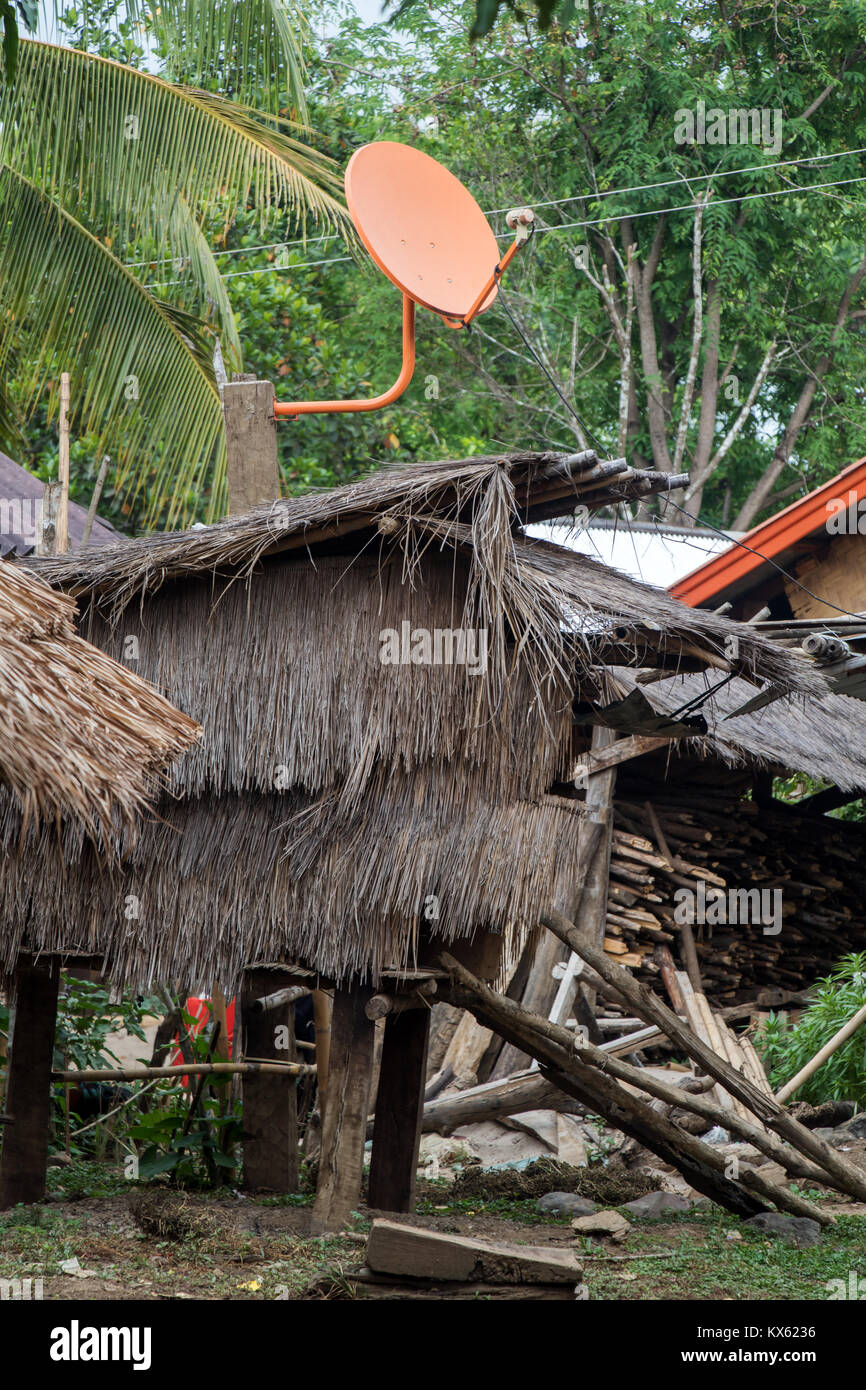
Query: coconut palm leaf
(114, 144)
(141, 370)
(183, 268)
(253, 49)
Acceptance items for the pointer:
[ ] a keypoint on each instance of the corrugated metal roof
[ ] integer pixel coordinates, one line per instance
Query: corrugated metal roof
(651, 551)
(20, 491)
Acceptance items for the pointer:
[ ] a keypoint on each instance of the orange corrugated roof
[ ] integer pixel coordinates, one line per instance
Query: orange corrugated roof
(771, 538)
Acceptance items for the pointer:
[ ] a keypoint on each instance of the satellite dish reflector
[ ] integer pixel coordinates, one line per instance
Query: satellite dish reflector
(422, 227)
(426, 232)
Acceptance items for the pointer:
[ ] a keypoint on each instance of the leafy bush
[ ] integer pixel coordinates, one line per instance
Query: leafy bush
(786, 1047)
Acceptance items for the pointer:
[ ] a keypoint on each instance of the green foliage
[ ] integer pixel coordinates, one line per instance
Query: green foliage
(786, 1047)
(86, 1015)
(108, 172)
(193, 1147)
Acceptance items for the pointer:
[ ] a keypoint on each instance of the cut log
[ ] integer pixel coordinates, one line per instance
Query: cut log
(415, 1252)
(525, 1090)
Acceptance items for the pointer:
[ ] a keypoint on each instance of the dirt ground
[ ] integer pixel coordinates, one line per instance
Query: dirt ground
(235, 1247)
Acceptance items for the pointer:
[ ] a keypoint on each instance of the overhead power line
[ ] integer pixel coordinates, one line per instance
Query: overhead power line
(548, 203)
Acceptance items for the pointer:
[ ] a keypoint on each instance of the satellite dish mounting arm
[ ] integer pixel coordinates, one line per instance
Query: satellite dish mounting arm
(371, 402)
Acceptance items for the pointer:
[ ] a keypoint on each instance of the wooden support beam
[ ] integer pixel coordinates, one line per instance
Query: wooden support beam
(251, 443)
(270, 1145)
(322, 1025)
(344, 1124)
(33, 1017)
(399, 1104)
(622, 752)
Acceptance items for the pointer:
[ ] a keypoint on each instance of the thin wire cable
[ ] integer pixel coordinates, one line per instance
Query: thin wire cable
(766, 558)
(667, 498)
(549, 203)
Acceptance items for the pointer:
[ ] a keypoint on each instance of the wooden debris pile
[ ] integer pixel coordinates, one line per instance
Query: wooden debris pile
(731, 847)
(615, 1089)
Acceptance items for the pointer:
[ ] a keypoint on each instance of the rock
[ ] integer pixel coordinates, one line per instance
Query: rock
(656, 1204)
(566, 1204)
(602, 1223)
(571, 1146)
(797, 1230)
(854, 1128)
(828, 1114)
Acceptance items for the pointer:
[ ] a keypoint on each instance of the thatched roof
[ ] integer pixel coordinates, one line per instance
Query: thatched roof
(824, 737)
(80, 736)
(333, 795)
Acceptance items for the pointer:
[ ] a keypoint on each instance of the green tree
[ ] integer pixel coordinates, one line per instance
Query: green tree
(112, 181)
(724, 337)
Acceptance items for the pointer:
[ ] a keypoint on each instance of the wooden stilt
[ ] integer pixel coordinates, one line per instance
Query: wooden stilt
(344, 1126)
(399, 1105)
(322, 1022)
(270, 1100)
(33, 1017)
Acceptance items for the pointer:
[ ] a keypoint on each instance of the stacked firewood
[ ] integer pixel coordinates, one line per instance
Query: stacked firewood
(675, 842)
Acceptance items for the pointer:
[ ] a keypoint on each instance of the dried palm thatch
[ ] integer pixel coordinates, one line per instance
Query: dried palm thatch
(209, 888)
(823, 737)
(79, 735)
(335, 797)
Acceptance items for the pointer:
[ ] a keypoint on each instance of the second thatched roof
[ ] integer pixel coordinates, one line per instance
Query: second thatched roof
(81, 737)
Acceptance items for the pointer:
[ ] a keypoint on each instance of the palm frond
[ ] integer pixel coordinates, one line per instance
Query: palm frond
(141, 370)
(112, 143)
(255, 49)
(194, 275)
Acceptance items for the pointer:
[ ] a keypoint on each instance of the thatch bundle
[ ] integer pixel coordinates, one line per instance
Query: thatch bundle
(824, 736)
(335, 798)
(80, 736)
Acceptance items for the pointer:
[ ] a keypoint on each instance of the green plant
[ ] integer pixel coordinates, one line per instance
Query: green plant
(192, 1145)
(785, 1047)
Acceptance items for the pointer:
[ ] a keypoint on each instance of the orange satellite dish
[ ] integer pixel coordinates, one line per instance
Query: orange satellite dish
(426, 232)
(422, 227)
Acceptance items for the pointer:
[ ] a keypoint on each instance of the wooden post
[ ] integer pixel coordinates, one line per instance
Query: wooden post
(596, 870)
(399, 1106)
(32, 1020)
(344, 1126)
(251, 443)
(46, 539)
(322, 1023)
(270, 1100)
(62, 524)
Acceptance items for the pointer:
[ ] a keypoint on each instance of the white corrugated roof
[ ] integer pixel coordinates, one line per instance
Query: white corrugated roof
(655, 553)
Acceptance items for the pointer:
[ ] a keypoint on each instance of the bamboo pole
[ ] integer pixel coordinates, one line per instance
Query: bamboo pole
(62, 523)
(94, 501)
(845, 1032)
(184, 1069)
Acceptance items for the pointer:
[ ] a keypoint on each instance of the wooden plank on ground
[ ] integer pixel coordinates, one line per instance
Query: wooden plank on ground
(411, 1250)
